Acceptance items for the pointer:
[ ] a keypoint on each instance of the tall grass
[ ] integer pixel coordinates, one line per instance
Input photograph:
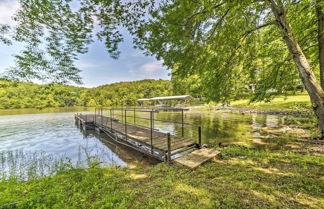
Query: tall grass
(22, 165)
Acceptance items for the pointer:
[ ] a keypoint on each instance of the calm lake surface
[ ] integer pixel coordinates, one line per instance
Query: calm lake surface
(52, 134)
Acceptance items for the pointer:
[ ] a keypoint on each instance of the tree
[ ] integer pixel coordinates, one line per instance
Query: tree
(229, 44)
(54, 33)
(320, 31)
(224, 40)
(306, 74)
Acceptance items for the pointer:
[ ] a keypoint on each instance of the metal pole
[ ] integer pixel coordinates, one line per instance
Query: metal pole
(125, 125)
(95, 115)
(199, 137)
(153, 120)
(182, 122)
(110, 119)
(101, 118)
(169, 147)
(134, 115)
(151, 132)
(122, 115)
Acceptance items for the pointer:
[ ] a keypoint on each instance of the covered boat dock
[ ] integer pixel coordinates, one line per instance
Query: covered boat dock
(180, 97)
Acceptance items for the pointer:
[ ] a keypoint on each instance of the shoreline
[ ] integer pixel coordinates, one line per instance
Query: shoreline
(243, 110)
(302, 113)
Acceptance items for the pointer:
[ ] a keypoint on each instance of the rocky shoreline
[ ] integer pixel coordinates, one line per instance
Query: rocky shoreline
(309, 113)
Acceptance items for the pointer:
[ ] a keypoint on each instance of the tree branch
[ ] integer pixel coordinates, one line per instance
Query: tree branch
(257, 28)
(202, 12)
(217, 25)
(243, 38)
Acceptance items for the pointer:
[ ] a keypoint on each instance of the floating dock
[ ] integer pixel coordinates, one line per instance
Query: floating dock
(149, 141)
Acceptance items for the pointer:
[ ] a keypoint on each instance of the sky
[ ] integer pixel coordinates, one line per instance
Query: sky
(97, 67)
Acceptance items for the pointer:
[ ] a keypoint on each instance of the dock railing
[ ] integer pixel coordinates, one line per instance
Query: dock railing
(129, 116)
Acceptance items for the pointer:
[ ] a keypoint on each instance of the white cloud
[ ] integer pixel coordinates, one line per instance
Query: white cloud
(86, 65)
(7, 9)
(152, 67)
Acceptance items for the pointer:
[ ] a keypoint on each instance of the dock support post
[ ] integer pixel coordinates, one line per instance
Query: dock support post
(111, 119)
(95, 116)
(134, 116)
(169, 148)
(122, 115)
(101, 118)
(182, 119)
(199, 137)
(125, 125)
(151, 126)
(153, 120)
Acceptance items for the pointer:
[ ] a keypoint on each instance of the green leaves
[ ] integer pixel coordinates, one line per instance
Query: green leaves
(229, 45)
(4, 30)
(28, 95)
(56, 32)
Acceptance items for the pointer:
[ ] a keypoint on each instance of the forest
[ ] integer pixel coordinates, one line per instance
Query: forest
(30, 95)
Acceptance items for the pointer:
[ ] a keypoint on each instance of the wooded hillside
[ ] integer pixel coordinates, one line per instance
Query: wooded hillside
(30, 95)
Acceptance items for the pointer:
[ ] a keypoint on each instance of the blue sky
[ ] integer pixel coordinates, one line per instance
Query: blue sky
(97, 67)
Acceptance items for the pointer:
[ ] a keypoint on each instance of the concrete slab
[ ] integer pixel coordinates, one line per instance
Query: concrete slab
(197, 157)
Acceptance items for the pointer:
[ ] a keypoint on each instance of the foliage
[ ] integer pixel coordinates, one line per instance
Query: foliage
(29, 95)
(243, 178)
(217, 49)
(4, 29)
(55, 32)
(229, 45)
(126, 93)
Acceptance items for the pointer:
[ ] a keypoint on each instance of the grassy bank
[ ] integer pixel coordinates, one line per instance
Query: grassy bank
(298, 102)
(241, 179)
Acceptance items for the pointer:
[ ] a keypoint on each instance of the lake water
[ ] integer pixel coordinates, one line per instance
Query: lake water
(48, 135)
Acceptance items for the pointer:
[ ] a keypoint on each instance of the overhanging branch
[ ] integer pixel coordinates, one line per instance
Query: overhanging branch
(203, 12)
(258, 28)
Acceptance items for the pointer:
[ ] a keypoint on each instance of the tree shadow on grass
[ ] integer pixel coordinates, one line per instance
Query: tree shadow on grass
(235, 183)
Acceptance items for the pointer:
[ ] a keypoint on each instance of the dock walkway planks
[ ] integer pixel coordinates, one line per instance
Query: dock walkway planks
(197, 157)
(138, 134)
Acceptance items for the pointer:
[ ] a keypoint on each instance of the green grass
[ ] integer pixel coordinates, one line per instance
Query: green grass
(241, 179)
(297, 102)
(291, 102)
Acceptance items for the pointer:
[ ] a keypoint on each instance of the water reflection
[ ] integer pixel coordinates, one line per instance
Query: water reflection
(222, 127)
(55, 134)
(230, 128)
(44, 139)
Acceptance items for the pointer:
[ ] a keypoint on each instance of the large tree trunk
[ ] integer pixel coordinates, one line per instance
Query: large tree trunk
(320, 32)
(306, 74)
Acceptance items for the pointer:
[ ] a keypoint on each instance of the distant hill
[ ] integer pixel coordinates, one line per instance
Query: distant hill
(30, 95)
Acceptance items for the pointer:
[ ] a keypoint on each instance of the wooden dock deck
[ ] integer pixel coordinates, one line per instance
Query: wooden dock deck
(162, 146)
(147, 140)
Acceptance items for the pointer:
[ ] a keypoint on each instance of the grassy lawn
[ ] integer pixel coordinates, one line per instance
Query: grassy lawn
(242, 178)
(292, 102)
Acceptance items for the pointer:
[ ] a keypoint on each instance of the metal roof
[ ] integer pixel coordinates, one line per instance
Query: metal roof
(143, 100)
(181, 97)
